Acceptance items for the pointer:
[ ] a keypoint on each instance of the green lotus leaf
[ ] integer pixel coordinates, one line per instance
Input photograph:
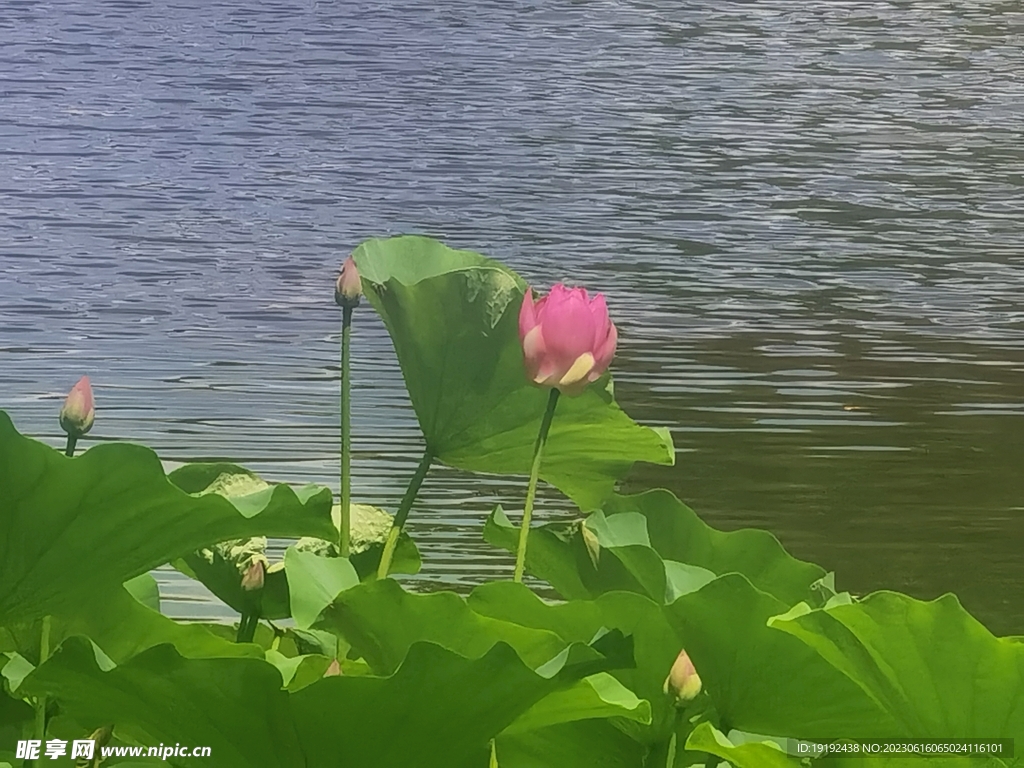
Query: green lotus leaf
(145, 589)
(453, 318)
(122, 628)
(653, 544)
(707, 738)
(382, 621)
(438, 709)
(314, 582)
(655, 642)
(597, 696)
(678, 534)
(298, 671)
(933, 668)
(119, 627)
(582, 744)
(759, 679)
(72, 527)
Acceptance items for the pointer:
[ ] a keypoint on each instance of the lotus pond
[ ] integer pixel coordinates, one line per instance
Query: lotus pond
(670, 643)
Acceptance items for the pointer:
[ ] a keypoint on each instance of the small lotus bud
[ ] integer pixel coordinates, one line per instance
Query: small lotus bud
(101, 735)
(252, 579)
(333, 669)
(349, 287)
(683, 682)
(78, 412)
(592, 543)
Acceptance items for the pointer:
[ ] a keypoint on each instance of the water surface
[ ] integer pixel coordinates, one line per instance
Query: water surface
(806, 217)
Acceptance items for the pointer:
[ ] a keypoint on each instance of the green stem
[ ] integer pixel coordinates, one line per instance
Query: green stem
(345, 524)
(670, 753)
(531, 491)
(44, 654)
(247, 627)
(69, 449)
(403, 513)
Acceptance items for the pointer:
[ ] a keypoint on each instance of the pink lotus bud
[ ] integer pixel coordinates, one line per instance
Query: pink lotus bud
(568, 339)
(683, 682)
(78, 412)
(333, 669)
(349, 287)
(252, 579)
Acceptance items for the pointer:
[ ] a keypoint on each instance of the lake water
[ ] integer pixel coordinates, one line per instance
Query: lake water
(807, 218)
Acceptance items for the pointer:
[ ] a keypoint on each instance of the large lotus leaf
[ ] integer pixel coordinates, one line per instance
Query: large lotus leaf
(583, 744)
(439, 709)
(707, 738)
(930, 665)
(70, 527)
(760, 679)
(678, 534)
(597, 696)
(655, 545)
(382, 621)
(121, 627)
(453, 319)
(655, 643)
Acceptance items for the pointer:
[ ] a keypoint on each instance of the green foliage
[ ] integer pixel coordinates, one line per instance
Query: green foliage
(447, 707)
(706, 738)
(453, 319)
(72, 527)
(653, 544)
(929, 666)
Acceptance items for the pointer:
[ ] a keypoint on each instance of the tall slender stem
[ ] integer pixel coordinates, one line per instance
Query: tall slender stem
(345, 522)
(69, 449)
(44, 654)
(247, 627)
(403, 513)
(531, 491)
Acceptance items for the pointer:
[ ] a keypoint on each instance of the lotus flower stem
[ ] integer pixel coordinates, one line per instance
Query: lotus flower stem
(531, 490)
(69, 449)
(403, 513)
(44, 654)
(247, 627)
(670, 753)
(345, 521)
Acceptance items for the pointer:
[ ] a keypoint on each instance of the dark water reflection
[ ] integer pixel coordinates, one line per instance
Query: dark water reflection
(806, 217)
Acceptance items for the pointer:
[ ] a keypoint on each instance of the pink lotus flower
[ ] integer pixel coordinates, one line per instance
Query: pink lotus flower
(683, 682)
(78, 411)
(568, 339)
(349, 287)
